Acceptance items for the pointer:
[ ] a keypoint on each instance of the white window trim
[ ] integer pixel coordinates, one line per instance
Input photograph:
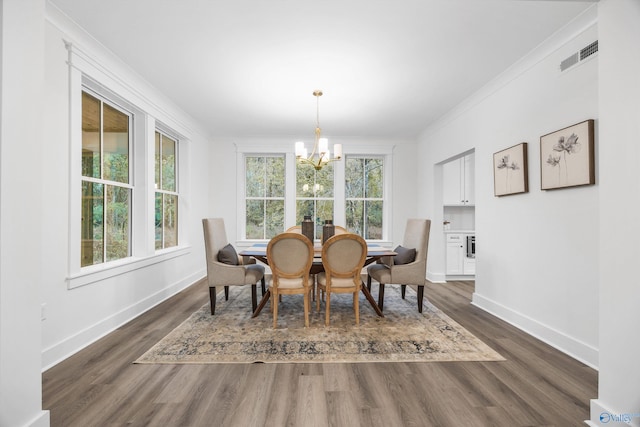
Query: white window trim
(383, 151)
(86, 73)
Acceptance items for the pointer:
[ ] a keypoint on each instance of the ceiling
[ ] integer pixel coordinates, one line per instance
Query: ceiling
(387, 68)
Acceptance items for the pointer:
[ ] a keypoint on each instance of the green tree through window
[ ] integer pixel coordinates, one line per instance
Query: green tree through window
(166, 194)
(264, 190)
(106, 189)
(364, 184)
(314, 194)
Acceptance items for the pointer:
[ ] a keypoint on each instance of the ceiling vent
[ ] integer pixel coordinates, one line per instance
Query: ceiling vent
(580, 56)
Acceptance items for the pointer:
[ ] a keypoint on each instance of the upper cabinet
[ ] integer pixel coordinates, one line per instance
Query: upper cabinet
(458, 181)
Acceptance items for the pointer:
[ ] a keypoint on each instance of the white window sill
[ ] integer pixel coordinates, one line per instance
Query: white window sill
(92, 274)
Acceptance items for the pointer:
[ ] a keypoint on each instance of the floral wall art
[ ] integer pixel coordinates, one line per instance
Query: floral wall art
(567, 157)
(510, 174)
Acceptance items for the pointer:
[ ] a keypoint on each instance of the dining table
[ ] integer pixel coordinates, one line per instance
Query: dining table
(374, 253)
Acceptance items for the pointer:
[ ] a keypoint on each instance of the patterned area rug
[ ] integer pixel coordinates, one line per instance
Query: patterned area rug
(403, 335)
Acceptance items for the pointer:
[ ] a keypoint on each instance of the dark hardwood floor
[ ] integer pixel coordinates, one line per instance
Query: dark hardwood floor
(536, 386)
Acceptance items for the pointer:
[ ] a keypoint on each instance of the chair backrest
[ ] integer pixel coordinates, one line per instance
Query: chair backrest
(290, 255)
(416, 235)
(295, 229)
(215, 237)
(340, 230)
(343, 255)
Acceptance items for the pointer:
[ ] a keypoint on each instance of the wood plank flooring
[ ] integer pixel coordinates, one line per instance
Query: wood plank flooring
(536, 386)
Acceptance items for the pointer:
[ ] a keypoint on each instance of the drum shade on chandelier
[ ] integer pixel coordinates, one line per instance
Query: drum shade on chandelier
(320, 155)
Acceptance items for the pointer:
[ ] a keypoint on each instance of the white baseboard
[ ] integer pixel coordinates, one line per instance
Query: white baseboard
(71, 345)
(577, 349)
(436, 277)
(41, 420)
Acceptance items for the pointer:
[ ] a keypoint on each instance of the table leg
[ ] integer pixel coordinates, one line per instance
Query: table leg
(263, 302)
(367, 294)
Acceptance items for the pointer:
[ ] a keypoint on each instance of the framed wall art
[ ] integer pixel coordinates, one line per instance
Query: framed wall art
(567, 157)
(510, 173)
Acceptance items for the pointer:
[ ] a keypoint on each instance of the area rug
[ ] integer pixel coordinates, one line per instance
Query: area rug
(403, 335)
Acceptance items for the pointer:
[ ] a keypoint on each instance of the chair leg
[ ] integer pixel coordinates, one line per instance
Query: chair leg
(356, 305)
(327, 306)
(420, 297)
(226, 293)
(275, 300)
(369, 283)
(264, 287)
(317, 298)
(254, 298)
(307, 303)
(381, 296)
(212, 298)
(403, 290)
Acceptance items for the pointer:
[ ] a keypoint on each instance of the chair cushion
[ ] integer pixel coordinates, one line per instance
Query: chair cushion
(228, 255)
(253, 273)
(335, 282)
(405, 256)
(285, 283)
(380, 273)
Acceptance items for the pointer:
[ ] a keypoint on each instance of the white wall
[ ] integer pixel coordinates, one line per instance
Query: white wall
(537, 259)
(21, 177)
(76, 317)
(619, 68)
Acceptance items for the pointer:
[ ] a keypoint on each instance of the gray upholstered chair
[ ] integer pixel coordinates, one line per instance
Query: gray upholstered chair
(222, 274)
(416, 236)
(343, 258)
(290, 256)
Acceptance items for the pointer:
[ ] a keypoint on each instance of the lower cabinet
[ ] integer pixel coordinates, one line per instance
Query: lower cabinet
(469, 266)
(457, 262)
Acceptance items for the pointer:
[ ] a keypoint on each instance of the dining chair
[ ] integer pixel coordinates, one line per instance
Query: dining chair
(294, 229)
(340, 230)
(413, 272)
(290, 256)
(234, 271)
(343, 257)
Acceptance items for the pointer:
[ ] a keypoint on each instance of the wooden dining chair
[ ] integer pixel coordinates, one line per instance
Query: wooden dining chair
(290, 256)
(343, 257)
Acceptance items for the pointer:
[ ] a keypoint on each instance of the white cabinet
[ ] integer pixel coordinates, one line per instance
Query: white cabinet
(458, 181)
(457, 262)
(469, 266)
(455, 253)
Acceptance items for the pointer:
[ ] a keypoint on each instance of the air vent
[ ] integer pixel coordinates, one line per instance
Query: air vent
(577, 57)
(589, 50)
(570, 61)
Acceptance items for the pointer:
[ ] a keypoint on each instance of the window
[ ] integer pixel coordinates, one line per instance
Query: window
(106, 182)
(364, 188)
(166, 193)
(314, 194)
(264, 196)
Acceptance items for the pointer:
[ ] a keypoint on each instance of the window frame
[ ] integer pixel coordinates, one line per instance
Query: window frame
(107, 182)
(164, 192)
(365, 199)
(245, 198)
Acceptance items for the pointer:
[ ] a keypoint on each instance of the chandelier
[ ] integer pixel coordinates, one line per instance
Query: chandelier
(320, 155)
